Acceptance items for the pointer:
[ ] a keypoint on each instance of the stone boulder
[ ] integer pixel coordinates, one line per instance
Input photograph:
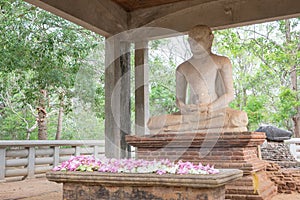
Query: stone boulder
(275, 134)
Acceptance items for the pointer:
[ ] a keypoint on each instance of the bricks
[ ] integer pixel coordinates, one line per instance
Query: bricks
(224, 150)
(245, 139)
(243, 188)
(286, 180)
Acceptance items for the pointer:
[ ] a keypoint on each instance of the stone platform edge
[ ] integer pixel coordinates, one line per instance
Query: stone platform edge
(140, 179)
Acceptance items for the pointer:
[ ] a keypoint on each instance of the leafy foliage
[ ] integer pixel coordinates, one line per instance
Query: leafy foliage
(40, 51)
(263, 58)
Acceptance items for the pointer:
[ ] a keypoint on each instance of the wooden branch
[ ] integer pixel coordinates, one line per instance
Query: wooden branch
(9, 104)
(51, 113)
(32, 110)
(262, 59)
(265, 36)
(30, 130)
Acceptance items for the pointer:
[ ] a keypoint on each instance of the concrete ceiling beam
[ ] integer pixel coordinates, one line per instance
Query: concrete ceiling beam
(101, 16)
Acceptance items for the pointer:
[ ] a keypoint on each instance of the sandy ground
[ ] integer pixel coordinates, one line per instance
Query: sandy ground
(294, 196)
(41, 189)
(31, 189)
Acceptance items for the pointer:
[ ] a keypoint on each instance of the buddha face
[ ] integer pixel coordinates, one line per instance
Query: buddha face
(200, 39)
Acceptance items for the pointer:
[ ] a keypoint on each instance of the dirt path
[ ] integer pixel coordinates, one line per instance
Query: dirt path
(31, 189)
(41, 189)
(293, 196)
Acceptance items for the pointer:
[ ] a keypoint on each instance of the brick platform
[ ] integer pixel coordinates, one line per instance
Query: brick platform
(286, 180)
(224, 150)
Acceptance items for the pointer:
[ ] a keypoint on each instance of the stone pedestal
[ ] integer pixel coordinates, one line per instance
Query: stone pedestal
(224, 150)
(114, 186)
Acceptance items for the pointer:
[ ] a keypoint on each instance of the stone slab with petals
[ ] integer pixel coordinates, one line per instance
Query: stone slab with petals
(130, 186)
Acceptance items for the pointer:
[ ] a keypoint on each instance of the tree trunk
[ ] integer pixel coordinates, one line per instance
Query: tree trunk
(296, 120)
(60, 118)
(244, 97)
(42, 116)
(294, 80)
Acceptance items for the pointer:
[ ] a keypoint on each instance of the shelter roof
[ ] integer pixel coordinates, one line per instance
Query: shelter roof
(131, 5)
(109, 17)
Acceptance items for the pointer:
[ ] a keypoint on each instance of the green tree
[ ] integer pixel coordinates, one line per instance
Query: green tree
(46, 52)
(268, 70)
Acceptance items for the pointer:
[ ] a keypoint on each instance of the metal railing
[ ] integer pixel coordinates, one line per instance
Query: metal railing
(294, 145)
(27, 158)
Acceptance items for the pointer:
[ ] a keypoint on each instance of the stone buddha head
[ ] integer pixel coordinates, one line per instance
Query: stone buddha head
(200, 39)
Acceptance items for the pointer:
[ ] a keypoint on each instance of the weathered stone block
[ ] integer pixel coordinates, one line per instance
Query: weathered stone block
(111, 186)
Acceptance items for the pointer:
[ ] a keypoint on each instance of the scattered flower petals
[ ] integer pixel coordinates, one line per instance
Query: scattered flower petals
(90, 163)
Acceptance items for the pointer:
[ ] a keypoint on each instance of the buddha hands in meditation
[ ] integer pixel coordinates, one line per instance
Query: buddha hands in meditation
(204, 88)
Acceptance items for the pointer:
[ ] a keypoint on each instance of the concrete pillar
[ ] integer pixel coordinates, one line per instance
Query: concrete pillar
(125, 100)
(96, 151)
(2, 164)
(31, 162)
(141, 88)
(55, 155)
(117, 98)
(77, 150)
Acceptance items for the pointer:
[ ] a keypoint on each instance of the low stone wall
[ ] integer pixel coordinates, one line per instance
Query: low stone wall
(279, 153)
(287, 180)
